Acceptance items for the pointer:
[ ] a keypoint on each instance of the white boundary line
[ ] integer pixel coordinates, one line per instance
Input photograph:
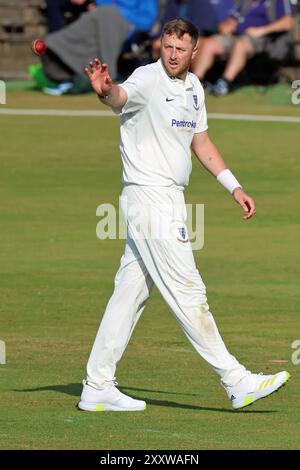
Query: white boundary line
(101, 113)
(254, 117)
(53, 112)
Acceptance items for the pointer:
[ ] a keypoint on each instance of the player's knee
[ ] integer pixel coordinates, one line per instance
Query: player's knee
(243, 46)
(213, 46)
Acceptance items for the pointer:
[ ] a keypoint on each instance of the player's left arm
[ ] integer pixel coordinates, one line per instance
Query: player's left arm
(210, 157)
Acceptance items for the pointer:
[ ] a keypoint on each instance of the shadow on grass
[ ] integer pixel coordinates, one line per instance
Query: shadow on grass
(74, 389)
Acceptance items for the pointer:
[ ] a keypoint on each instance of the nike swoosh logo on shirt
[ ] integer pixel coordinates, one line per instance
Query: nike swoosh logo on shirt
(169, 99)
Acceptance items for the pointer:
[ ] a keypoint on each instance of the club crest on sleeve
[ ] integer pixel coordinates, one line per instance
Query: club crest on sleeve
(195, 97)
(182, 234)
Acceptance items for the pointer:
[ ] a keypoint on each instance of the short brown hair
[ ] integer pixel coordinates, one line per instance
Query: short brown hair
(179, 26)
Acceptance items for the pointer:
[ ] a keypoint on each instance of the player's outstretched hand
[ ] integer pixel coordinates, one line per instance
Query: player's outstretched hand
(246, 202)
(99, 77)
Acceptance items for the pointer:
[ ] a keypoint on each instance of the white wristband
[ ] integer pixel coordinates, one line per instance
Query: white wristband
(228, 180)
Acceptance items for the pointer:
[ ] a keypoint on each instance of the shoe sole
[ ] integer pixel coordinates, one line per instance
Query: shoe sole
(97, 407)
(252, 397)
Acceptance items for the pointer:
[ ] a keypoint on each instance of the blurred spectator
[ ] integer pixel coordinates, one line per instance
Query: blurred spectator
(205, 14)
(253, 27)
(98, 33)
(61, 12)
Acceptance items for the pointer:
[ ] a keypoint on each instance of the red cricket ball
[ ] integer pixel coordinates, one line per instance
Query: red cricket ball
(38, 47)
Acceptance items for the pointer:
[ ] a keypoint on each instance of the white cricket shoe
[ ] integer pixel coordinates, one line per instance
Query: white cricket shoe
(255, 386)
(108, 399)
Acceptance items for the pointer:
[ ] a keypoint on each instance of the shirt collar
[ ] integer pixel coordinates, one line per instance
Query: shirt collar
(187, 83)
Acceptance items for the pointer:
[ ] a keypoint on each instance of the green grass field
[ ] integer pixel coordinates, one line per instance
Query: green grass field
(56, 278)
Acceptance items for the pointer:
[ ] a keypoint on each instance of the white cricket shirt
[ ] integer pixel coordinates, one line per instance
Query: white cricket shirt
(158, 123)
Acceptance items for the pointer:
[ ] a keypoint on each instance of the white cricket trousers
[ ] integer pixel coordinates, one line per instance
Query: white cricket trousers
(164, 257)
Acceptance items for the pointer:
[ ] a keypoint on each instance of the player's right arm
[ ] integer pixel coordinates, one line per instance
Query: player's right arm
(109, 94)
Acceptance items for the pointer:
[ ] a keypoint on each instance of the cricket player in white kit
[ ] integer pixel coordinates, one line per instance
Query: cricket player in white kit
(163, 116)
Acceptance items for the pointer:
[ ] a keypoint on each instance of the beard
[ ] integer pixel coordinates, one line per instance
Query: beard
(179, 70)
